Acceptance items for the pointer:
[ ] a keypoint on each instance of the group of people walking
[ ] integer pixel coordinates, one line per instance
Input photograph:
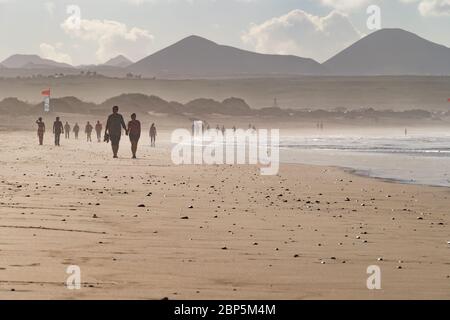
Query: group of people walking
(66, 129)
(113, 131)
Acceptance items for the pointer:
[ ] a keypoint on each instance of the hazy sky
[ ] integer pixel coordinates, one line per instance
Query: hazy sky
(311, 28)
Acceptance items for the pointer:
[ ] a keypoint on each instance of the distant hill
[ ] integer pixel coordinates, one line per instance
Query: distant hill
(201, 108)
(391, 52)
(384, 52)
(196, 57)
(139, 103)
(32, 61)
(14, 106)
(119, 61)
(230, 106)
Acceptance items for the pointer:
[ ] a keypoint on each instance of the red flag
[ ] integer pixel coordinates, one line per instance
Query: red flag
(46, 93)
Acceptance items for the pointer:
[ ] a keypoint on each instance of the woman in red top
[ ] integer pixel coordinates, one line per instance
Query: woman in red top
(134, 132)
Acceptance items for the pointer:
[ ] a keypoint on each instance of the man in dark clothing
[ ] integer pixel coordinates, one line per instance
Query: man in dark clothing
(58, 129)
(88, 130)
(113, 128)
(76, 129)
(41, 130)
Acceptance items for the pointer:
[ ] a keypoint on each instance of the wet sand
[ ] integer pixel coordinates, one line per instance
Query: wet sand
(146, 229)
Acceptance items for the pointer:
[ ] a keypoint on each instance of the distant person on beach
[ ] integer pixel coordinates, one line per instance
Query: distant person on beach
(134, 132)
(67, 130)
(58, 129)
(76, 130)
(153, 135)
(223, 130)
(41, 131)
(88, 131)
(98, 130)
(113, 130)
(406, 131)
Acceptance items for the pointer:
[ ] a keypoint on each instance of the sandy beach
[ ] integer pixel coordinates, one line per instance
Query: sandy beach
(147, 229)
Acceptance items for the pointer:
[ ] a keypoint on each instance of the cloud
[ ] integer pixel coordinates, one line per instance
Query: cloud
(53, 52)
(345, 5)
(112, 37)
(303, 34)
(434, 8)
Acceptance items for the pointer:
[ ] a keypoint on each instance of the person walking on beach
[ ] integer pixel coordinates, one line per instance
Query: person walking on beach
(41, 131)
(113, 130)
(76, 130)
(134, 132)
(58, 129)
(67, 130)
(98, 130)
(88, 131)
(153, 134)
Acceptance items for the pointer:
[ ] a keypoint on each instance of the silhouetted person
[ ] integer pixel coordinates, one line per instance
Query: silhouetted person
(406, 131)
(223, 130)
(40, 131)
(88, 131)
(67, 130)
(98, 130)
(134, 132)
(76, 130)
(58, 129)
(113, 129)
(153, 135)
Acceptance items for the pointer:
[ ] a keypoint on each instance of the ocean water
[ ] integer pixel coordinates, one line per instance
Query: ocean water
(418, 158)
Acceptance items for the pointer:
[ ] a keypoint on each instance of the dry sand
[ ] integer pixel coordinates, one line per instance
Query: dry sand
(309, 233)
